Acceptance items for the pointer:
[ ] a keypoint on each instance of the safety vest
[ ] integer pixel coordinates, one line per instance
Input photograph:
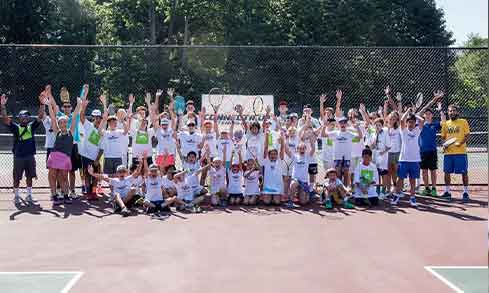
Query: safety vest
(25, 133)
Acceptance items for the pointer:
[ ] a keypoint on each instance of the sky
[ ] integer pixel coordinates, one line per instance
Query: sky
(464, 17)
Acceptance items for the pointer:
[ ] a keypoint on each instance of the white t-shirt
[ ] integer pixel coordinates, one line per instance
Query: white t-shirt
(252, 186)
(189, 142)
(141, 142)
(328, 184)
(190, 168)
(254, 145)
(122, 186)
(217, 179)
(235, 185)
(300, 165)
(184, 189)
(50, 136)
(167, 183)
(114, 143)
(272, 177)
(211, 140)
(357, 142)
(229, 148)
(342, 144)
(382, 142)
(153, 188)
(410, 145)
(327, 150)
(292, 143)
(91, 141)
(125, 150)
(395, 139)
(166, 142)
(365, 175)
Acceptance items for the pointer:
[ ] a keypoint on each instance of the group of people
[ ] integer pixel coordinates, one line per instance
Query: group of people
(366, 156)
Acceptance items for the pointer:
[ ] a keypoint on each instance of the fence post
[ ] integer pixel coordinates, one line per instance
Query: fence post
(446, 85)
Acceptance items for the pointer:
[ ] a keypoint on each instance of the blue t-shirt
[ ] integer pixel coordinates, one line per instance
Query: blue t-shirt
(24, 141)
(427, 138)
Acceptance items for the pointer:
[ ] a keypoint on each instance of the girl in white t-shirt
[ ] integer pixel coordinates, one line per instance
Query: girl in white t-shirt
(292, 141)
(235, 178)
(327, 143)
(142, 141)
(166, 148)
(299, 184)
(380, 145)
(186, 198)
(395, 150)
(272, 170)
(153, 187)
(251, 181)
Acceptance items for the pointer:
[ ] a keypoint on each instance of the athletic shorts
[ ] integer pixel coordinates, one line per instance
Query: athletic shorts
(303, 185)
(455, 164)
(158, 207)
(393, 159)
(312, 169)
(236, 195)
(24, 164)
(135, 161)
(345, 164)
(382, 172)
(429, 160)
(111, 164)
(48, 151)
(408, 170)
(75, 158)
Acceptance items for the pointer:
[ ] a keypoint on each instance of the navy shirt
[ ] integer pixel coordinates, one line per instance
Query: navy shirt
(427, 138)
(25, 145)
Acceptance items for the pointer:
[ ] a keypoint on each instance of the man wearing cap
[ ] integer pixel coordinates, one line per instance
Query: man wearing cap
(90, 150)
(24, 147)
(189, 140)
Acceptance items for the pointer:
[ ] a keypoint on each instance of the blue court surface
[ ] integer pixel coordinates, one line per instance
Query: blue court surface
(463, 279)
(38, 282)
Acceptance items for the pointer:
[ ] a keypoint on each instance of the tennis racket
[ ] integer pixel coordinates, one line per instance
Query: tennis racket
(449, 142)
(179, 105)
(258, 106)
(399, 97)
(419, 101)
(216, 97)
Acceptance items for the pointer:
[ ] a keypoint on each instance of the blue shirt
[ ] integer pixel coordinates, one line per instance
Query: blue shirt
(24, 140)
(427, 138)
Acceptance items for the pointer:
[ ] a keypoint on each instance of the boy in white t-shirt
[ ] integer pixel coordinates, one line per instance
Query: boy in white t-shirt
(292, 141)
(124, 194)
(381, 145)
(251, 181)
(410, 156)
(235, 178)
(189, 141)
(366, 180)
(300, 176)
(327, 143)
(272, 164)
(334, 191)
(114, 145)
(154, 189)
(218, 188)
(187, 199)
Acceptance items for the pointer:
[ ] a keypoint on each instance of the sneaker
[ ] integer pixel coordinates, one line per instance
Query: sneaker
(395, 199)
(381, 195)
(29, 199)
(84, 189)
(447, 195)
(412, 201)
(56, 200)
(328, 204)
(426, 192)
(433, 192)
(290, 204)
(17, 200)
(347, 204)
(125, 212)
(67, 199)
(73, 195)
(465, 197)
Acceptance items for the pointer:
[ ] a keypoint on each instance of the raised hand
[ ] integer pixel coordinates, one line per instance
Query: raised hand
(438, 94)
(103, 100)
(170, 92)
(339, 94)
(147, 98)
(131, 99)
(268, 109)
(362, 108)
(3, 100)
(439, 106)
(387, 91)
(322, 98)
(85, 91)
(43, 99)
(159, 92)
(47, 91)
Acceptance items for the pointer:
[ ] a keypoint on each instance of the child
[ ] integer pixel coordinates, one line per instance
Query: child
(292, 141)
(366, 180)
(381, 146)
(218, 188)
(169, 188)
(124, 194)
(272, 170)
(153, 199)
(187, 198)
(410, 155)
(114, 145)
(300, 163)
(252, 183)
(235, 179)
(166, 147)
(327, 143)
(335, 191)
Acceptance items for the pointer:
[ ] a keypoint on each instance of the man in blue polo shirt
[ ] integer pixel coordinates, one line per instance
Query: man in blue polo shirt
(24, 147)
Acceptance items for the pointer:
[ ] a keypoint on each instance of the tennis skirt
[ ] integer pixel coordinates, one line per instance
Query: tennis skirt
(59, 160)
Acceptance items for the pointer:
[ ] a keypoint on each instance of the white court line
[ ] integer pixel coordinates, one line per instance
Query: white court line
(444, 280)
(66, 288)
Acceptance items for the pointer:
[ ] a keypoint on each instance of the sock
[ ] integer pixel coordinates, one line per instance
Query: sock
(29, 191)
(16, 192)
(447, 188)
(466, 189)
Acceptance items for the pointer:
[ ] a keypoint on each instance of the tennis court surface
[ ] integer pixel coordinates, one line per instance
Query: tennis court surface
(86, 248)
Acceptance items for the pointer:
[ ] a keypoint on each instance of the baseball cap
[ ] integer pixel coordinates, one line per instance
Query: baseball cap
(342, 119)
(307, 106)
(282, 103)
(293, 115)
(189, 102)
(121, 168)
(165, 121)
(190, 122)
(24, 114)
(330, 170)
(153, 167)
(111, 117)
(96, 113)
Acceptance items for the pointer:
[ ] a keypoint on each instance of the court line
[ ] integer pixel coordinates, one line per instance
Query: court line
(66, 288)
(443, 279)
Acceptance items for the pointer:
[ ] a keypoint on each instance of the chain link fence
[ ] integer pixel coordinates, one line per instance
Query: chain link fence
(297, 75)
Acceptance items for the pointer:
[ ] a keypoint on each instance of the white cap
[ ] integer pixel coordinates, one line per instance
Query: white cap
(164, 121)
(97, 113)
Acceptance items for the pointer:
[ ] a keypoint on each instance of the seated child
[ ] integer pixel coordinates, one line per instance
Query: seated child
(251, 181)
(153, 198)
(273, 185)
(187, 197)
(335, 191)
(235, 178)
(366, 180)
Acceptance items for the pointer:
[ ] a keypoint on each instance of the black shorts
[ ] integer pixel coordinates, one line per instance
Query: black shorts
(85, 162)
(429, 160)
(236, 195)
(111, 164)
(383, 172)
(359, 201)
(24, 164)
(75, 158)
(135, 161)
(48, 151)
(312, 169)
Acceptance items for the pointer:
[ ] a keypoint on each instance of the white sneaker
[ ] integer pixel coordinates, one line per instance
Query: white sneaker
(395, 199)
(29, 198)
(17, 200)
(412, 201)
(381, 195)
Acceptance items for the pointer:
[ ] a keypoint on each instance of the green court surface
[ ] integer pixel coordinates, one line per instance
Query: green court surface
(38, 282)
(463, 279)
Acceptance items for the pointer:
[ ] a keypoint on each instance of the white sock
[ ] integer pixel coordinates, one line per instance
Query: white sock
(29, 191)
(447, 188)
(466, 189)
(16, 192)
